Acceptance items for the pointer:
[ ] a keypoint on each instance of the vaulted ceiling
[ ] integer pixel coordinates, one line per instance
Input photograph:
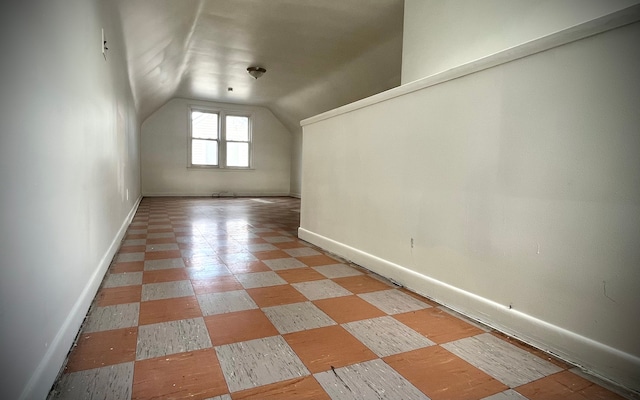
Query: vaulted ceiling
(319, 54)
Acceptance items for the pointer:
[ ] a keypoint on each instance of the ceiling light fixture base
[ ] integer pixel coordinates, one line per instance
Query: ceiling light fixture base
(256, 72)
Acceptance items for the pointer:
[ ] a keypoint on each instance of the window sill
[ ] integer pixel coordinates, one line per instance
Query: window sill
(221, 169)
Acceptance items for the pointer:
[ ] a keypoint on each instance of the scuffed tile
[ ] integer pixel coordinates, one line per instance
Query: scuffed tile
(261, 247)
(162, 247)
(172, 337)
(123, 279)
(112, 317)
(259, 362)
(166, 290)
(385, 336)
(322, 289)
(260, 279)
(128, 257)
(506, 395)
(498, 358)
(225, 302)
(297, 317)
(167, 263)
(368, 380)
(278, 239)
(284, 263)
(112, 382)
(337, 271)
(393, 301)
(302, 252)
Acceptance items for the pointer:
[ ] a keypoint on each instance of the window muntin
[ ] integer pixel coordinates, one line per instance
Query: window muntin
(219, 139)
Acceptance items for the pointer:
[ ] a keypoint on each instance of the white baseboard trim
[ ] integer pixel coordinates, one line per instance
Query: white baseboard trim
(221, 194)
(296, 195)
(45, 375)
(596, 358)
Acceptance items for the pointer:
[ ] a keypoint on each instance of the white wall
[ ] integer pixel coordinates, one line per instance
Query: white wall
(164, 155)
(296, 164)
(69, 178)
(519, 186)
(439, 35)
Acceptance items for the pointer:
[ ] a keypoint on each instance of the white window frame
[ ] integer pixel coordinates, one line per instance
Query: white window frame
(222, 137)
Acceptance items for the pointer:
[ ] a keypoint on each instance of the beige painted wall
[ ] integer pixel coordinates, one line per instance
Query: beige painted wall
(439, 35)
(519, 186)
(164, 155)
(69, 178)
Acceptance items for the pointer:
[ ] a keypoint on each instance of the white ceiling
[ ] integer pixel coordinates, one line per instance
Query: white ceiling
(319, 54)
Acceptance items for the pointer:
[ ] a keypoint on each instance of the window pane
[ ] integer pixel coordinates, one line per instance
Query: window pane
(204, 152)
(238, 128)
(204, 125)
(237, 154)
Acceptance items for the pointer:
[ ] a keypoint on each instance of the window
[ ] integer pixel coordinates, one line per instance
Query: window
(219, 139)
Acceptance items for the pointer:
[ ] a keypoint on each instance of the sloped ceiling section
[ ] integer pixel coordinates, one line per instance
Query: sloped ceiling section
(319, 54)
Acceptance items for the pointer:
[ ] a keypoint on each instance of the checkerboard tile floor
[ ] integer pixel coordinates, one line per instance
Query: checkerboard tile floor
(219, 299)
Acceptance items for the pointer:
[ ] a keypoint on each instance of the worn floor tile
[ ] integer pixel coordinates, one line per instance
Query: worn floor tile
(158, 235)
(260, 279)
(283, 263)
(128, 257)
(121, 267)
(119, 295)
(497, 358)
(112, 382)
(337, 271)
(314, 260)
(385, 336)
(253, 248)
(208, 272)
(162, 247)
(393, 301)
(323, 348)
(565, 385)
(195, 374)
(215, 285)
(151, 265)
(275, 295)
(164, 275)
(271, 255)
(99, 349)
(297, 317)
(348, 309)
(164, 338)
(259, 362)
(166, 290)
(305, 388)
(248, 267)
(236, 258)
(239, 327)
(278, 239)
(290, 245)
(368, 380)
(442, 375)
(509, 394)
(112, 317)
(361, 284)
(124, 279)
(322, 289)
(225, 302)
(300, 275)
(164, 310)
(437, 325)
(302, 252)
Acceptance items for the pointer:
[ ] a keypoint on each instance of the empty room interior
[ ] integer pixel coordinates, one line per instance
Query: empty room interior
(320, 199)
